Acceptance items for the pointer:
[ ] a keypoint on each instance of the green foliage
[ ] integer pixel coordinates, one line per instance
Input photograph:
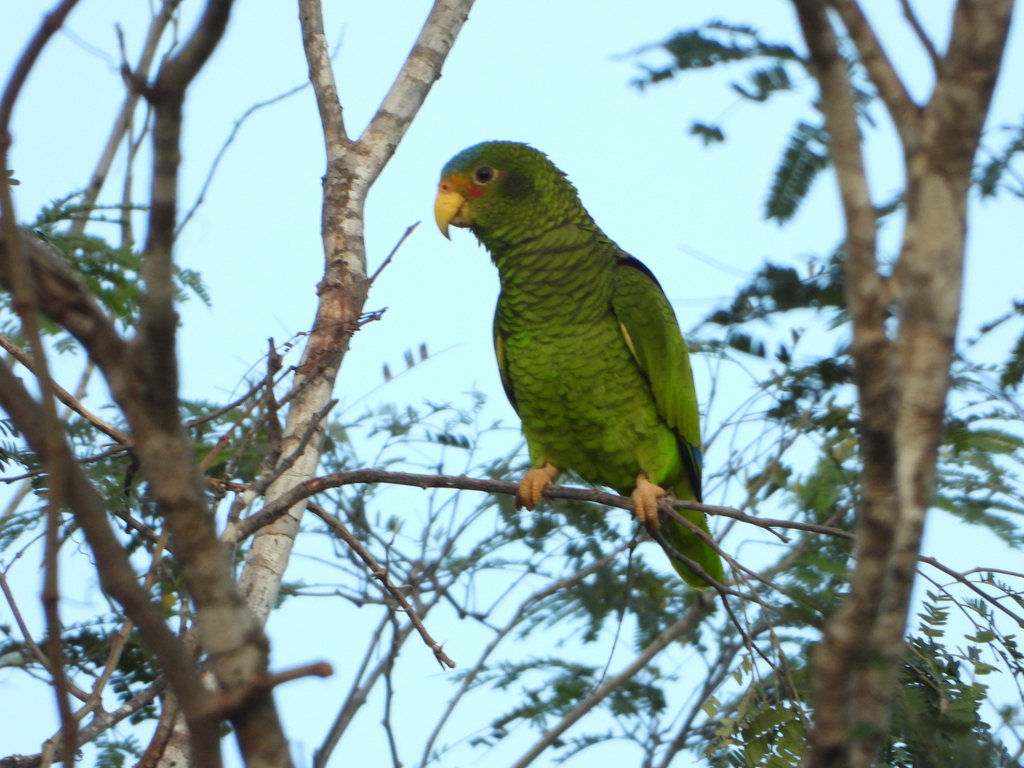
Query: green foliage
(112, 273)
(805, 156)
(937, 719)
(717, 43)
(709, 134)
(117, 752)
(998, 173)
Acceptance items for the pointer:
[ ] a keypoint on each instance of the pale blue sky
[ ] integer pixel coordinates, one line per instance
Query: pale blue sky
(546, 72)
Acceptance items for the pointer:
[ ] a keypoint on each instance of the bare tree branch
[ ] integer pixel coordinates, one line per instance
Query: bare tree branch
(121, 124)
(902, 387)
(273, 510)
(30, 643)
(686, 623)
(351, 169)
(502, 633)
(66, 397)
(382, 575)
(321, 75)
(929, 46)
(117, 577)
(103, 721)
(57, 453)
(905, 113)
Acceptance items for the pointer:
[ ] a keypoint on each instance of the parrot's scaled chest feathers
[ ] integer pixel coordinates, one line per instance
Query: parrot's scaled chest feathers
(588, 347)
(583, 401)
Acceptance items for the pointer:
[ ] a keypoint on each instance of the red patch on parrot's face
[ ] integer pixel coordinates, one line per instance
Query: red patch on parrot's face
(467, 187)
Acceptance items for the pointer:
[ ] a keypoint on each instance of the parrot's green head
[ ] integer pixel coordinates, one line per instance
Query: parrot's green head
(505, 192)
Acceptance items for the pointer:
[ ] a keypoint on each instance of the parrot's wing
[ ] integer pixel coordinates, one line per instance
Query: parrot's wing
(499, 353)
(649, 326)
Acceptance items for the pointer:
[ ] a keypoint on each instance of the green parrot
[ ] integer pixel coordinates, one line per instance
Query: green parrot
(588, 347)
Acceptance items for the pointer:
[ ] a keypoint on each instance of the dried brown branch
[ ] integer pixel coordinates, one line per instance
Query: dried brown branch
(384, 578)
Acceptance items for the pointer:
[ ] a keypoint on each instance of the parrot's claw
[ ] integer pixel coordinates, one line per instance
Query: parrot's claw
(531, 487)
(645, 501)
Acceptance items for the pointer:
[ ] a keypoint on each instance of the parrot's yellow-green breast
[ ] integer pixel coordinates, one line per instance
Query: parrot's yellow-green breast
(588, 347)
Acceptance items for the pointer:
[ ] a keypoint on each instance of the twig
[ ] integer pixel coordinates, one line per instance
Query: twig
(926, 41)
(511, 624)
(51, 23)
(26, 306)
(216, 414)
(101, 722)
(962, 578)
(230, 702)
(394, 250)
(119, 640)
(29, 642)
(288, 462)
(156, 30)
(711, 682)
(687, 622)
(334, 480)
(161, 734)
(388, 689)
(224, 439)
(224, 148)
(66, 397)
(356, 696)
(906, 115)
(382, 576)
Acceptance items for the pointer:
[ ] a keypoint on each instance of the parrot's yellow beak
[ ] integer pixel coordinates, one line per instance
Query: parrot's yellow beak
(450, 208)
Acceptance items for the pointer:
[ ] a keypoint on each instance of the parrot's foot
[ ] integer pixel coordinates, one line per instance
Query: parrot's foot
(645, 501)
(532, 486)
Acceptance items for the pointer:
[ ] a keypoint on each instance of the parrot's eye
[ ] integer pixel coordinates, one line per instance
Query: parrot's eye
(484, 174)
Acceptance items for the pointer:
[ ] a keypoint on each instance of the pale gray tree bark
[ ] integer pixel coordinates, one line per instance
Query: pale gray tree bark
(902, 377)
(352, 167)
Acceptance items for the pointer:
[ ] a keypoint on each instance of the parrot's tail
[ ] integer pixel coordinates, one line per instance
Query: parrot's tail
(690, 545)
